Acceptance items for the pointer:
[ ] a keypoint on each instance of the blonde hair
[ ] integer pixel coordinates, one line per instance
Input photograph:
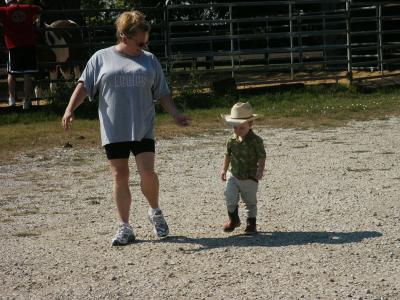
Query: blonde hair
(129, 23)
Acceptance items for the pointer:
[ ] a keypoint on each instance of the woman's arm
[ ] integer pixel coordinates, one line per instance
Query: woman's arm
(169, 106)
(77, 98)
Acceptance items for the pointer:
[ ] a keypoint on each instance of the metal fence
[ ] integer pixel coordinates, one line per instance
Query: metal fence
(286, 41)
(259, 42)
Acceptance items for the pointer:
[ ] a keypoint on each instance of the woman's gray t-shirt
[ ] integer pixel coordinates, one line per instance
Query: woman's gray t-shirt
(127, 88)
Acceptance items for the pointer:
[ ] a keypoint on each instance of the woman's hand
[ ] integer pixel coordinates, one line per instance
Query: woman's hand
(67, 120)
(181, 120)
(77, 98)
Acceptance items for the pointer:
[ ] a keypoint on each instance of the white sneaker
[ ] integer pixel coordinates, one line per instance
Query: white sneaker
(11, 102)
(26, 105)
(160, 225)
(124, 235)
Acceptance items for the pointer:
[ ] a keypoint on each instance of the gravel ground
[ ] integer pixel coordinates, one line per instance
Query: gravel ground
(328, 219)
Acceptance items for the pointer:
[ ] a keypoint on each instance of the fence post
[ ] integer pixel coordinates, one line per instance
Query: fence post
(210, 59)
(379, 37)
(324, 39)
(348, 35)
(266, 55)
(232, 44)
(300, 38)
(89, 32)
(238, 45)
(167, 45)
(291, 41)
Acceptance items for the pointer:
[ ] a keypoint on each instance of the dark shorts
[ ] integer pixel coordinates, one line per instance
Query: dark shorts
(123, 149)
(22, 60)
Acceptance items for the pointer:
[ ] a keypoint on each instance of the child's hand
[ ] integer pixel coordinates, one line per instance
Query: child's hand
(223, 176)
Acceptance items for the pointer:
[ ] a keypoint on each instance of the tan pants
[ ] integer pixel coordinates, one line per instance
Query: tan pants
(247, 189)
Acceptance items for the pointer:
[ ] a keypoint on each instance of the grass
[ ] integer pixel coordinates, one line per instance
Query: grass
(313, 106)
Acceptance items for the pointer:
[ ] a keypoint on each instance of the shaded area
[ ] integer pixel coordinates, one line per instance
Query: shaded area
(274, 239)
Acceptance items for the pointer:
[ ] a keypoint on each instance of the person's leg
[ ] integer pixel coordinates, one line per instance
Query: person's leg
(148, 177)
(121, 191)
(232, 204)
(150, 186)
(11, 86)
(11, 79)
(231, 193)
(118, 156)
(27, 91)
(248, 190)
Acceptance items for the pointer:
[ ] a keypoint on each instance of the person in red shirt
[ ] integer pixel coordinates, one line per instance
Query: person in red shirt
(18, 21)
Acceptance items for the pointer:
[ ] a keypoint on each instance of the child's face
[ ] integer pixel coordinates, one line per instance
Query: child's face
(242, 129)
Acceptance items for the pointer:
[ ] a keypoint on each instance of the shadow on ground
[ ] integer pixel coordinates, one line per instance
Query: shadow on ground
(273, 239)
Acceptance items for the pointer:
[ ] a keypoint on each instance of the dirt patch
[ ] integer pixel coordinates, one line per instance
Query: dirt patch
(328, 219)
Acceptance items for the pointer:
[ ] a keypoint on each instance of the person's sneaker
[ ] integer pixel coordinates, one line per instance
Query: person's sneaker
(160, 225)
(11, 102)
(26, 105)
(124, 235)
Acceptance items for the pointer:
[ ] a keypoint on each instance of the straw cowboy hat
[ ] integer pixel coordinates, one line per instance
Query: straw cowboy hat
(240, 113)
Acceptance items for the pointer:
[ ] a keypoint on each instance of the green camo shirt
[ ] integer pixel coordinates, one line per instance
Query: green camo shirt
(245, 154)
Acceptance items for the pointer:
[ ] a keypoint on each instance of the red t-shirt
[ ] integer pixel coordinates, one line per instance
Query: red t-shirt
(18, 26)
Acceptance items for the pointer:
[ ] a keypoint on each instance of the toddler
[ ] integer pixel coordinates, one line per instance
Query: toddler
(245, 154)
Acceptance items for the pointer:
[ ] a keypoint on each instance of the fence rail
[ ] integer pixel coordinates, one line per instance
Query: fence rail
(260, 42)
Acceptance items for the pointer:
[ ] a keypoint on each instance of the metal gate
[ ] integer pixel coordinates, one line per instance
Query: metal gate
(263, 42)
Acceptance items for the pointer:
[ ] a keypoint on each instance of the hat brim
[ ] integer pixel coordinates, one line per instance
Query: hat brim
(236, 122)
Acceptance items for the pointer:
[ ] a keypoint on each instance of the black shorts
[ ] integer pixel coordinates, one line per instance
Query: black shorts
(123, 149)
(22, 60)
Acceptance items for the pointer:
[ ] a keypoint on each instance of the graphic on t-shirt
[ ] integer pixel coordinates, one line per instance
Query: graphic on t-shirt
(123, 80)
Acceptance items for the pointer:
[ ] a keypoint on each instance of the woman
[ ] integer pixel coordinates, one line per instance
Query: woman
(128, 79)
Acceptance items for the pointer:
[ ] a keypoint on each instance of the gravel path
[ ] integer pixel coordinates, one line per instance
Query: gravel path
(329, 216)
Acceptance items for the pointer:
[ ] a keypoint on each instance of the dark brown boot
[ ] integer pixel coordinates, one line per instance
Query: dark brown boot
(234, 221)
(251, 226)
